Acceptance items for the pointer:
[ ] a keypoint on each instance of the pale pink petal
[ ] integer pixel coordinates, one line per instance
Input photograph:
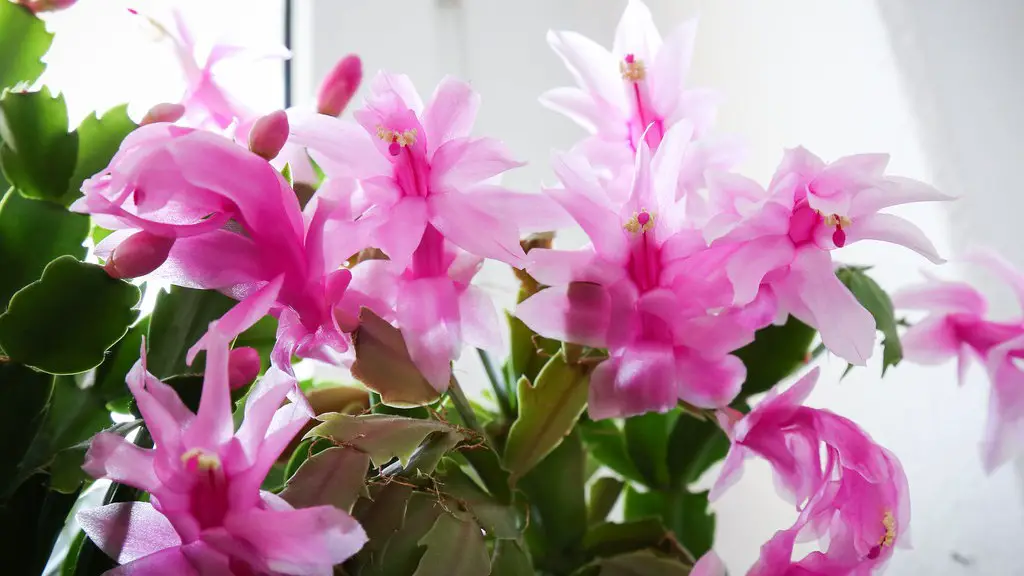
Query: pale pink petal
(748, 265)
(463, 162)
(400, 232)
(240, 318)
(481, 327)
(594, 68)
(579, 312)
(601, 224)
(198, 262)
(474, 230)
(941, 296)
(890, 228)
(529, 212)
(559, 267)
(1002, 268)
(636, 33)
(668, 161)
(708, 383)
(428, 316)
(699, 106)
(261, 405)
(732, 471)
(891, 191)
(400, 85)
(159, 404)
(127, 531)
(111, 456)
(931, 341)
(708, 565)
(304, 541)
(577, 105)
(1004, 430)
(450, 113)
(671, 67)
(714, 335)
(213, 424)
(167, 562)
(636, 380)
(340, 147)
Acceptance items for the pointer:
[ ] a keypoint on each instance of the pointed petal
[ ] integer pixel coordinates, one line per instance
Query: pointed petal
(668, 161)
(528, 211)
(748, 265)
(594, 68)
(890, 228)
(463, 162)
(708, 565)
(481, 327)
(111, 456)
(474, 230)
(428, 315)
(636, 33)
(941, 296)
(401, 230)
(126, 531)
(1004, 431)
(304, 541)
(261, 405)
(240, 318)
(671, 67)
(340, 147)
(709, 383)
(931, 341)
(598, 221)
(892, 191)
(560, 267)
(1002, 268)
(579, 312)
(640, 379)
(161, 407)
(399, 84)
(213, 424)
(731, 472)
(575, 104)
(450, 114)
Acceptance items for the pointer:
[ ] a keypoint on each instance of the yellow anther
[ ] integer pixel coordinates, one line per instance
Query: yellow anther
(890, 529)
(203, 460)
(642, 221)
(632, 70)
(407, 138)
(834, 219)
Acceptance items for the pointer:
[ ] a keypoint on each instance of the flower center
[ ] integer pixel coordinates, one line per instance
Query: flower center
(396, 140)
(839, 236)
(889, 522)
(199, 460)
(632, 69)
(642, 221)
(208, 496)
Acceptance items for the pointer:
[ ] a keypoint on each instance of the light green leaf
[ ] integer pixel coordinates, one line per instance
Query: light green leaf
(23, 42)
(382, 436)
(877, 302)
(33, 233)
(647, 442)
(555, 489)
(548, 410)
(38, 154)
(607, 443)
(64, 322)
(455, 547)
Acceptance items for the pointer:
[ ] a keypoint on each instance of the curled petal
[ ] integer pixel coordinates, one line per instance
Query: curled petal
(579, 312)
(111, 456)
(890, 228)
(127, 531)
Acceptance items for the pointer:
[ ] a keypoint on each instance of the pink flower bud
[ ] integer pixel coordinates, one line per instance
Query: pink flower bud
(339, 86)
(138, 255)
(243, 366)
(37, 6)
(269, 134)
(163, 113)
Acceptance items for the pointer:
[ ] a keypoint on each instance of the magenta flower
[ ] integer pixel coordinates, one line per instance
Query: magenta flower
(850, 492)
(621, 292)
(206, 513)
(234, 225)
(781, 240)
(417, 166)
(432, 302)
(957, 328)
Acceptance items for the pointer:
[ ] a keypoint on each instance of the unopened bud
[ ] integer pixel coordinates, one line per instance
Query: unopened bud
(37, 6)
(165, 112)
(138, 255)
(269, 135)
(243, 366)
(339, 86)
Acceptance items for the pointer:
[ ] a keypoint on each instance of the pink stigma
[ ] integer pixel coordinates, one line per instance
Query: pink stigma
(133, 11)
(839, 237)
(630, 58)
(874, 552)
(394, 148)
(643, 218)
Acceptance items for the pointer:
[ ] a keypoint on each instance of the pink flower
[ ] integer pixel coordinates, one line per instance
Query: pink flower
(235, 224)
(708, 565)
(850, 492)
(957, 328)
(781, 240)
(339, 86)
(432, 302)
(206, 513)
(269, 134)
(621, 292)
(37, 6)
(417, 166)
(637, 90)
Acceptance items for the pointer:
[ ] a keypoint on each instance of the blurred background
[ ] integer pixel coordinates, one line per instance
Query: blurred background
(935, 83)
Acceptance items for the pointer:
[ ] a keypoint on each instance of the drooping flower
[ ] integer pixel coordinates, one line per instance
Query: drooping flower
(781, 240)
(432, 302)
(207, 514)
(235, 224)
(637, 91)
(850, 492)
(416, 166)
(956, 327)
(620, 292)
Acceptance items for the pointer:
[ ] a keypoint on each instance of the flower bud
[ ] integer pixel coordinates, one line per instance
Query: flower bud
(269, 134)
(138, 255)
(165, 112)
(37, 6)
(339, 86)
(243, 366)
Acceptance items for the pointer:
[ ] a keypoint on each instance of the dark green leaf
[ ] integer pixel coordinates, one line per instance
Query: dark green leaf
(510, 559)
(878, 303)
(32, 233)
(304, 451)
(26, 396)
(381, 436)
(776, 352)
(64, 322)
(548, 410)
(523, 359)
(30, 523)
(642, 563)
(335, 476)
(498, 520)
(383, 364)
(695, 444)
(98, 140)
(38, 154)
(401, 553)
(111, 375)
(558, 509)
(179, 319)
(455, 547)
(606, 442)
(611, 538)
(647, 443)
(23, 42)
(684, 512)
(604, 493)
(381, 515)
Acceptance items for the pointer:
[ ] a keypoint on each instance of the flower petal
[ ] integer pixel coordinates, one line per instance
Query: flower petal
(112, 457)
(930, 341)
(891, 191)
(941, 296)
(127, 531)
(304, 541)
(1004, 431)
(671, 67)
(636, 380)
(748, 265)
(343, 149)
(890, 228)
(594, 68)
(481, 327)
(636, 33)
(240, 318)
(428, 316)
(474, 230)
(579, 312)
(708, 383)
(400, 230)
(463, 162)
(708, 565)
(450, 113)
(575, 104)
(528, 211)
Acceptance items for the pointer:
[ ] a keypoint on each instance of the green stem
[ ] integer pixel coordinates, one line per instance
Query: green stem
(464, 408)
(497, 384)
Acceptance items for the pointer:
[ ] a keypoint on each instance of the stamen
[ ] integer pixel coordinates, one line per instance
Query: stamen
(199, 460)
(642, 221)
(890, 529)
(396, 139)
(839, 236)
(632, 69)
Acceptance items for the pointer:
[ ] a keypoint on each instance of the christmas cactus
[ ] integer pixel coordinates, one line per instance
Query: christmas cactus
(177, 437)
